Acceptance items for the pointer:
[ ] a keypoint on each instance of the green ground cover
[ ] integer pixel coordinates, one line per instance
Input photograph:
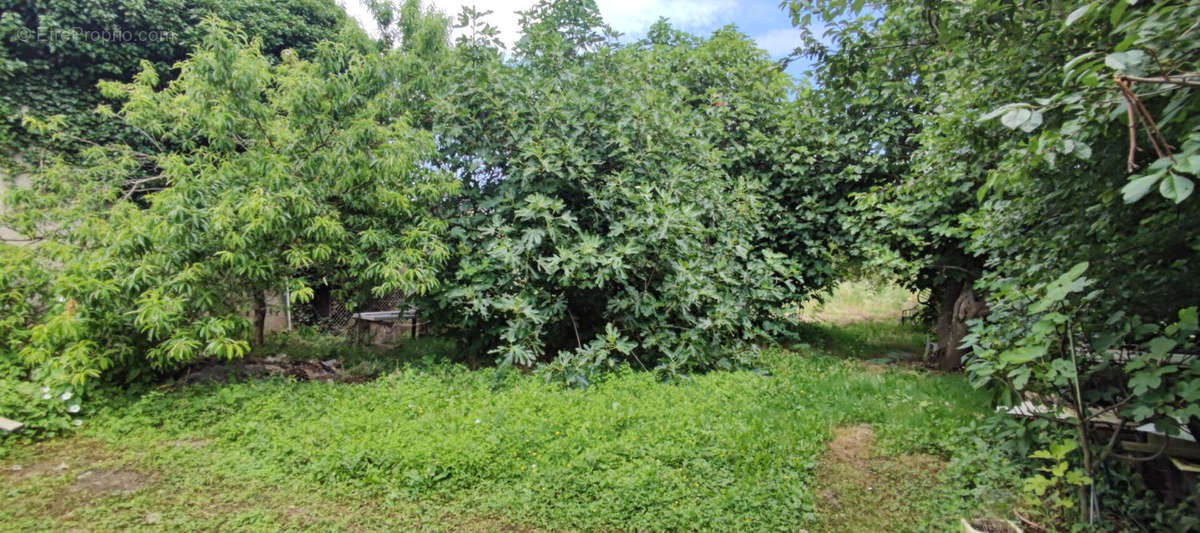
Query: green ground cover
(434, 445)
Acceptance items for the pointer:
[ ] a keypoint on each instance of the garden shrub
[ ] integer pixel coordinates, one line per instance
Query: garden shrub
(617, 198)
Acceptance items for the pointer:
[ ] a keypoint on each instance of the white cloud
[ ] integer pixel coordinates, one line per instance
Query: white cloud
(779, 42)
(625, 16)
(782, 41)
(635, 17)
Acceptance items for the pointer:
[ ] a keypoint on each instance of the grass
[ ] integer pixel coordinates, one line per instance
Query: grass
(859, 301)
(435, 446)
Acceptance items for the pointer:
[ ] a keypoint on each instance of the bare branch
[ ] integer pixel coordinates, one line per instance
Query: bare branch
(1191, 79)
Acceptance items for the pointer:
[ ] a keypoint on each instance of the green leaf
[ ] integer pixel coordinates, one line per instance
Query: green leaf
(1023, 354)
(1020, 377)
(1035, 120)
(1189, 164)
(1083, 151)
(1077, 14)
(1127, 62)
(1060, 449)
(1015, 118)
(1175, 187)
(1114, 16)
(1159, 346)
(1189, 319)
(1075, 61)
(1073, 274)
(1078, 478)
(995, 112)
(1145, 380)
(1136, 189)
(1037, 484)
(1064, 367)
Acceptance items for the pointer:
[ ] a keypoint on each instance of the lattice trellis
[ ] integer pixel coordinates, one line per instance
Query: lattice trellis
(340, 318)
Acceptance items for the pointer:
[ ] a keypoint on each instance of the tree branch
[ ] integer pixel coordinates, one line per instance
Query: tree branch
(1191, 79)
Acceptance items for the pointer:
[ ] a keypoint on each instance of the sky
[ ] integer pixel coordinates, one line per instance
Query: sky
(762, 20)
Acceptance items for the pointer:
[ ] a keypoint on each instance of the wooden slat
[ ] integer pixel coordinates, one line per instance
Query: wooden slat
(1185, 465)
(10, 425)
(386, 316)
(1171, 448)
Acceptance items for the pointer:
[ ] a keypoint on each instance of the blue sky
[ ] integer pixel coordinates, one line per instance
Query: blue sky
(762, 20)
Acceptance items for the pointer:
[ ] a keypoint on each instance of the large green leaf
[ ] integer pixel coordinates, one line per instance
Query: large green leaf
(1022, 354)
(1016, 118)
(1175, 187)
(1135, 190)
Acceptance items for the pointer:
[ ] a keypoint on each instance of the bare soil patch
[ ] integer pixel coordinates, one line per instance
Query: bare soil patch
(186, 443)
(992, 525)
(110, 482)
(53, 460)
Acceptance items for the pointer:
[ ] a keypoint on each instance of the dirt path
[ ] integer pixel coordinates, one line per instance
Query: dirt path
(860, 490)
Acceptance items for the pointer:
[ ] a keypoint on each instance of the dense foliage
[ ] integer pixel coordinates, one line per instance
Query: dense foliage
(617, 200)
(1003, 137)
(53, 53)
(265, 174)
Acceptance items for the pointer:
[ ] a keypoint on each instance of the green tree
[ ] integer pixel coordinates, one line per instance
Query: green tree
(53, 53)
(1005, 134)
(607, 215)
(262, 172)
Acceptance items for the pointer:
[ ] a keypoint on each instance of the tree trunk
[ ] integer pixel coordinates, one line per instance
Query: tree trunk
(956, 305)
(322, 299)
(946, 355)
(260, 317)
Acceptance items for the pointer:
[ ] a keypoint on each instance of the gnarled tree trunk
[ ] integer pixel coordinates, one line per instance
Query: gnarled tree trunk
(957, 303)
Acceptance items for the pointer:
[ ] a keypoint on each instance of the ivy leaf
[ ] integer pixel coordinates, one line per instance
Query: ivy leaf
(1142, 412)
(1159, 346)
(1187, 412)
(1145, 380)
